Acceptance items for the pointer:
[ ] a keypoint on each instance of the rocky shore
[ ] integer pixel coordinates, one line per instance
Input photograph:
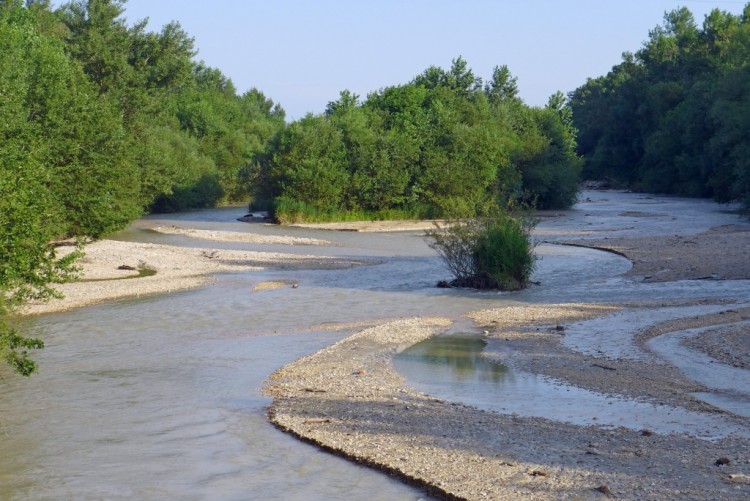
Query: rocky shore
(348, 400)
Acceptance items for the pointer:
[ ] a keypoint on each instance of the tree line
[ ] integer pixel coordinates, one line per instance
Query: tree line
(674, 117)
(442, 145)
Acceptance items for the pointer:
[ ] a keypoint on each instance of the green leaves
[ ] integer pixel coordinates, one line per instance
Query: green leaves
(672, 118)
(439, 146)
(99, 121)
(14, 350)
(491, 253)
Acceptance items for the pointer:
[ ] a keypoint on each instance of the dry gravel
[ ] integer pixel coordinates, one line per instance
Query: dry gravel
(729, 344)
(720, 253)
(347, 399)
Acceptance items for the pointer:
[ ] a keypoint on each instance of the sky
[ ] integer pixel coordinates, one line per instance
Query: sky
(301, 54)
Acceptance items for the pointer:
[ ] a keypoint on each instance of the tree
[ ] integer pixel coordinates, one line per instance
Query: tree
(28, 209)
(309, 165)
(668, 119)
(503, 85)
(98, 122)
(441, 145)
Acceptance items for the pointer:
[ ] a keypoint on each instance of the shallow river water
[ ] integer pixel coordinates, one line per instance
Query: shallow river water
(159, 397)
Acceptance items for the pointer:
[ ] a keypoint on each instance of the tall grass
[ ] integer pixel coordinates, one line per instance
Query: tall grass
(287, 211)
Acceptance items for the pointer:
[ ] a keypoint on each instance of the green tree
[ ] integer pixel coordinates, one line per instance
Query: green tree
(670, 119)
(441, 145)
(503, 86)
(28, 208)
(309, 164)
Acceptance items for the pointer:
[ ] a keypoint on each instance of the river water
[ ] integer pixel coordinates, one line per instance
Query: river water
(159, 397)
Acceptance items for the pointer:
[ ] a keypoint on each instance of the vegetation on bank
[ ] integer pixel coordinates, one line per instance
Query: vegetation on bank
(443, 145)
(101, 122)
(674, 117)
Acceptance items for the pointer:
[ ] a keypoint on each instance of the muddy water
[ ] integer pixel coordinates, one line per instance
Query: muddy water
(159, 397)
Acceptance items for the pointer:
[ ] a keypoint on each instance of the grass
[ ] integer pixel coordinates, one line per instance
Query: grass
(287, 211)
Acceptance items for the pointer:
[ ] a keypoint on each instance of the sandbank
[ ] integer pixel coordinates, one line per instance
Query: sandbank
(176, 268)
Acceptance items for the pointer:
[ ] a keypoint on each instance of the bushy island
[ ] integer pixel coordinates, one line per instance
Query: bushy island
(102, 121)
(443, 145)
(486, 253)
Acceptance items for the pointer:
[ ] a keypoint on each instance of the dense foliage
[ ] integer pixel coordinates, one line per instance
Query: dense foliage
(100, 122)
(489, 253)
(441, 145)
(675, 116)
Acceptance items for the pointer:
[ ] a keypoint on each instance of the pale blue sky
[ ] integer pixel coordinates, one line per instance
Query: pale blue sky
(302, 53)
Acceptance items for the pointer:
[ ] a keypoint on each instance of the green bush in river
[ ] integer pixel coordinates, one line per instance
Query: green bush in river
(492, 253)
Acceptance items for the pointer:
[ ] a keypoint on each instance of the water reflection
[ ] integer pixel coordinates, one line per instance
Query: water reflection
(454, 368)
(456, 357)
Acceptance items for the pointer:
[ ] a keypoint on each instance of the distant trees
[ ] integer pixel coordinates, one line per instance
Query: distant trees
(440, 146)
(673, 117)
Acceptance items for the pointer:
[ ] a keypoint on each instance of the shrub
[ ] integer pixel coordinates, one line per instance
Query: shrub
(493, 253)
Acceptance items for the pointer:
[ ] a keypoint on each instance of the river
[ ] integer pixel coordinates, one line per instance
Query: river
(160, 397)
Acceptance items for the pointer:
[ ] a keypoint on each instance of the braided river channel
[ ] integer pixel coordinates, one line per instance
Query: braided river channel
(159, 397)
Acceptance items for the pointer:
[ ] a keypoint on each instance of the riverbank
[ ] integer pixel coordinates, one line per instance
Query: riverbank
(373, 226)
(721, 253)
(112, 269)
(348, 400)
